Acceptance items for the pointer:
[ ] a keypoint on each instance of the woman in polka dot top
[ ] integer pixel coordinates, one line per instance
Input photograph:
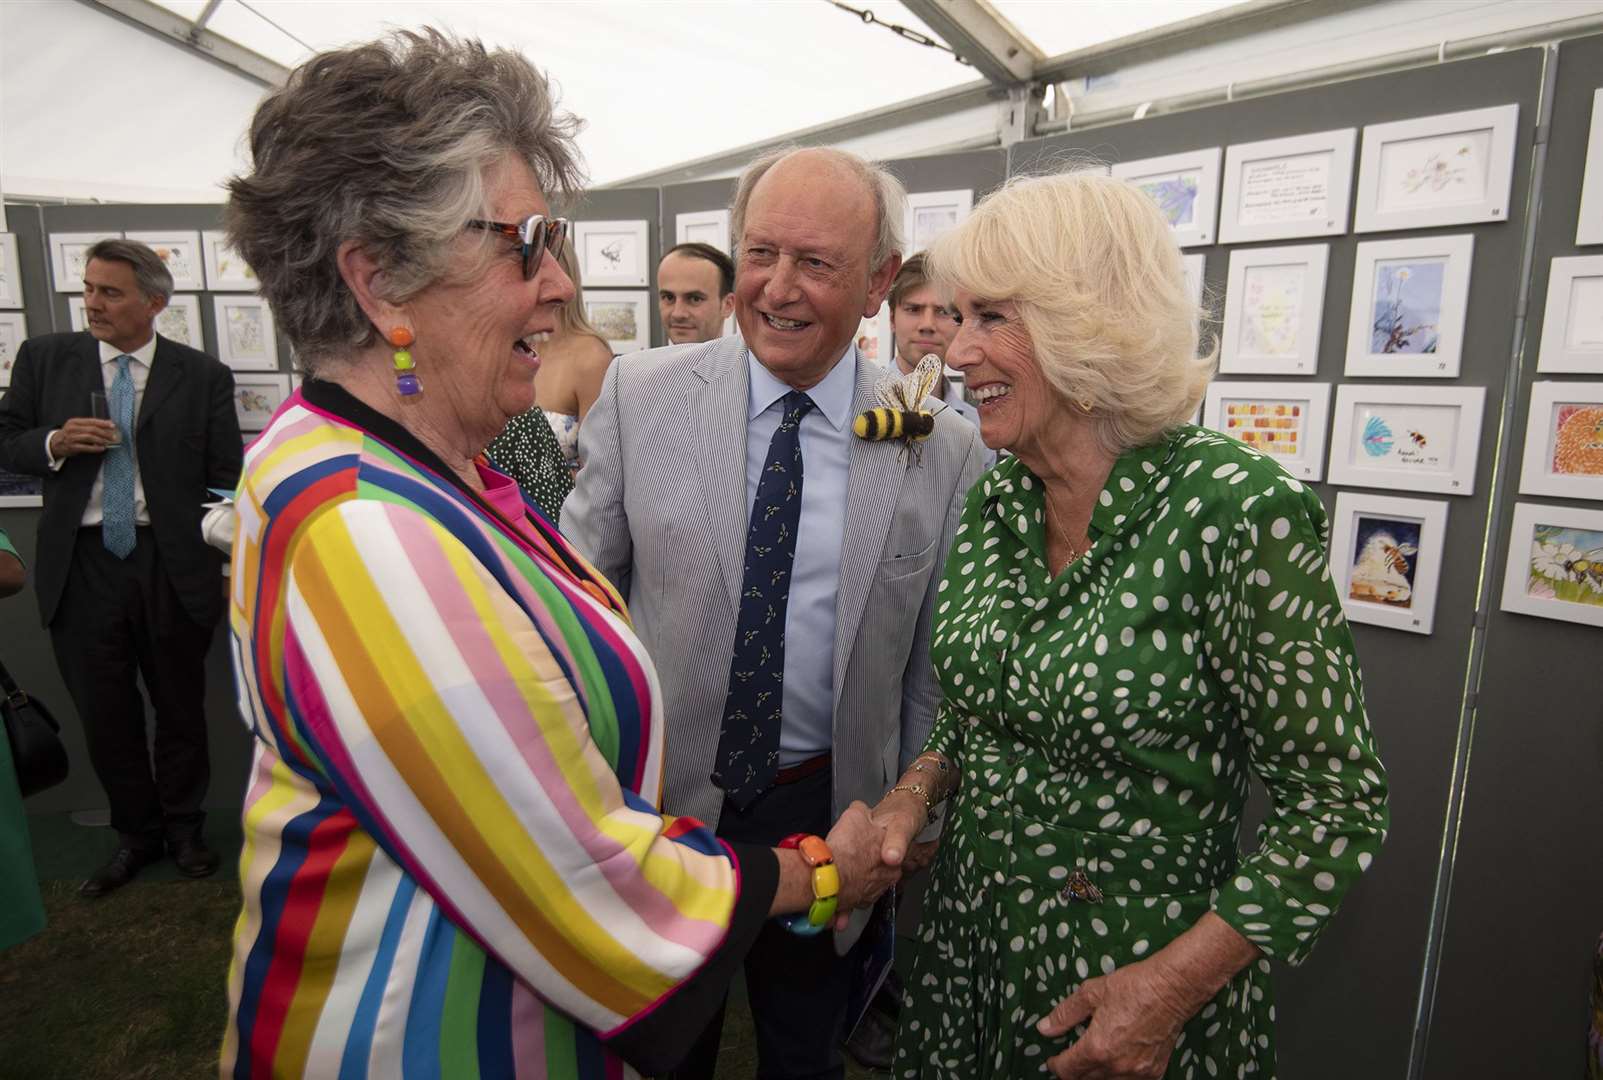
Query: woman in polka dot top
(1136, 618)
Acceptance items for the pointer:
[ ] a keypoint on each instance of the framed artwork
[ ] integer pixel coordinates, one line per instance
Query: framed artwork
(874, 338)
(69, 253)
(257, 398)
(1411, 438)
(10, 272)
(225, 270)
(623, 318)
(704, 227)
(613, 253)
(1283, 189)
(13, 332)
(246, 338)
(180, 321)
(1386, 558)
(21, 490)
(1186, 189)
(1572, 327)
(1196, 271)
(1274, 307)
(931, 213)
(1282, 421)
(1589, 225)
(1450, 169)
(76, 318)
(1555, 563)
(1564, 441)
(181, 252)
(1409, 299)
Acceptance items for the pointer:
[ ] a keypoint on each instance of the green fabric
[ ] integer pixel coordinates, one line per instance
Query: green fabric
(6, 547)
(1108, 721)
(528, 452)
(22, 913)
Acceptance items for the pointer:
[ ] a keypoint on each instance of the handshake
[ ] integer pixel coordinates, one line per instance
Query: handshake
(874, 849)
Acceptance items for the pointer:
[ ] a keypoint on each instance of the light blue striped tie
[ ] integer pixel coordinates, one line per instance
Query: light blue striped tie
(117, 470)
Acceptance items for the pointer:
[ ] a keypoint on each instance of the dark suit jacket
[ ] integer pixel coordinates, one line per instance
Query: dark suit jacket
(187, 438)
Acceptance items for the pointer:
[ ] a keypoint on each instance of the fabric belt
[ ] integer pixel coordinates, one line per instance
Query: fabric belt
(802, 769)
(1046, 855)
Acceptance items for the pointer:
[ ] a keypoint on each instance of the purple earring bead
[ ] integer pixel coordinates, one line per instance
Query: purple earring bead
(406, 382)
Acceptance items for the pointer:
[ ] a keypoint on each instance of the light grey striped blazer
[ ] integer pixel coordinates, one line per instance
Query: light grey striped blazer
(660, 508)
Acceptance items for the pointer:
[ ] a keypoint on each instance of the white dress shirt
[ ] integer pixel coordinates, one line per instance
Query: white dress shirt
(144, 359)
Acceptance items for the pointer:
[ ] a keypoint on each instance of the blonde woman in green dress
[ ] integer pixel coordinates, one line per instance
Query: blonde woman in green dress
(1136, 618)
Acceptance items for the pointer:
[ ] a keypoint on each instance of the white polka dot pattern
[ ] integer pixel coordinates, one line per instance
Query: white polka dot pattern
(1108, 723)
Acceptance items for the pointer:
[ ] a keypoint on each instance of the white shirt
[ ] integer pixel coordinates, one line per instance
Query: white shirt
(144, 358)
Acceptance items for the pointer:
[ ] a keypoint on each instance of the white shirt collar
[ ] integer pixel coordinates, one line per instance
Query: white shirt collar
(145, 354)
(832, 397)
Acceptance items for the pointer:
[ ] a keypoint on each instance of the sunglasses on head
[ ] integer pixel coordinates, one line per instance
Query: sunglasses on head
(538, 234)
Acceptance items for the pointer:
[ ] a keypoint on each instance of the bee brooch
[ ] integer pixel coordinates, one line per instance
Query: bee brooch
(900, 413)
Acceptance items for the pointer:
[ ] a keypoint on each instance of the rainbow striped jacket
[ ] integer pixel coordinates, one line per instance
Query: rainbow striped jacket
(454, 862)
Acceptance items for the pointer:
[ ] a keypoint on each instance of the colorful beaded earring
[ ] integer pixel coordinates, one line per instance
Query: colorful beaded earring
(405, 370)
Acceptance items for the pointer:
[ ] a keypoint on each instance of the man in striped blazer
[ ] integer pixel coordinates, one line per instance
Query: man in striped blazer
(782, 571)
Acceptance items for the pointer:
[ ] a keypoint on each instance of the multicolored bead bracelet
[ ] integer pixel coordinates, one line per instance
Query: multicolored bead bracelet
(826, 885)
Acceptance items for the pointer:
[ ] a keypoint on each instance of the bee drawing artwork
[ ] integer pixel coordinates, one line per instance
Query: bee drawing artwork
(1383, 567)
(900, 413)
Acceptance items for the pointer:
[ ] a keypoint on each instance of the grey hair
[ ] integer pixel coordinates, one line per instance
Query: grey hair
(150, 273)
(1096, 274)
(890, 197)
(386, 145)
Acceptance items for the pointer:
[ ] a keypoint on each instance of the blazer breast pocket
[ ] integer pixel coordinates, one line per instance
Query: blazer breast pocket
(898, 567)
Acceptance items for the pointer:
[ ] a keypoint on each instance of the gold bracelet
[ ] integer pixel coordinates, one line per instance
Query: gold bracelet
(923, 792)
(942, 772)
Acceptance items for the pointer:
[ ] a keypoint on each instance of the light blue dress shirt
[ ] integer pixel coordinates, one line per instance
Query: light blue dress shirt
(809, 695)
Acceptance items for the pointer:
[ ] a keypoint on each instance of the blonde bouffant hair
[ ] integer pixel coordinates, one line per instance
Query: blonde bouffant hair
(1100, 287)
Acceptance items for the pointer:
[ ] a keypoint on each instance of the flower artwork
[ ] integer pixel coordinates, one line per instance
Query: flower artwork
(1578, 440)
(1384, 561)
(244, 328)
(616, 321)
(1436, 171)
(1176, 196)
(1566, 564)
(1407, 306)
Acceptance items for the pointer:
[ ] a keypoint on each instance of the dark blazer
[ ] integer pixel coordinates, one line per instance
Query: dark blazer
(187, 438)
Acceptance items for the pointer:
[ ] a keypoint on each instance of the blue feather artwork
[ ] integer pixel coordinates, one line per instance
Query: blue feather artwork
(1377, 440)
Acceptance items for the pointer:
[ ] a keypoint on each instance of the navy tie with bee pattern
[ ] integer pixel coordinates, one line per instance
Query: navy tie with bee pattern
(748, 744)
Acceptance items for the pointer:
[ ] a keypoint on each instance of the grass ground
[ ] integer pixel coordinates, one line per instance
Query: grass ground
(133, 986)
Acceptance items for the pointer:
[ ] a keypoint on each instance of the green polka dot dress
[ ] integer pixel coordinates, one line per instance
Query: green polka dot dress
(527, 451)
(1107, 723)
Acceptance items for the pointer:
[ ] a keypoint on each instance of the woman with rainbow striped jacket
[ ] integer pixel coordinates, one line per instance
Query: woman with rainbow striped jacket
(454, 864)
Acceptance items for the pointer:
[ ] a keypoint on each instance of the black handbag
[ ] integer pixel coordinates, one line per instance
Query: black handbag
(34, 736)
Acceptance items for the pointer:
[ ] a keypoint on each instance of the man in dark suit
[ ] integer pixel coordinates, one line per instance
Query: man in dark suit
(126, 585)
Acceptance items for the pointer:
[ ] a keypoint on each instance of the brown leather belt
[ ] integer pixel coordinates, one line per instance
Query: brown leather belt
(802, 769)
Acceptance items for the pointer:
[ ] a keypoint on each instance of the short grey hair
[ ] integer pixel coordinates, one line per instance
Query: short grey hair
(1100, 287)
(150, 273)
(386, 145)
(890, 197)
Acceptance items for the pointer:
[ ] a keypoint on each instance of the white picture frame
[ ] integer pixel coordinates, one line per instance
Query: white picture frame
(1572, 320)
(1589, 222)
(180, 321)
(933, 213)
(1386, 559)
(1409, 301)
(226, 271)
(246, 337)
(622, 317)
(875, 340)
(613, 254)
(1448, 169)
(13, 332)
(21, 491)
(10, 272)
(1544, 575)
(1186, 189)
(180, 251)
(257, 398)
(705, 227)
(1274, 309)
(69, 254)
(1407, 438)
(77, 319)
(1287, 189)
(1284, 421)
(1564, 441)
(1195, 267)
